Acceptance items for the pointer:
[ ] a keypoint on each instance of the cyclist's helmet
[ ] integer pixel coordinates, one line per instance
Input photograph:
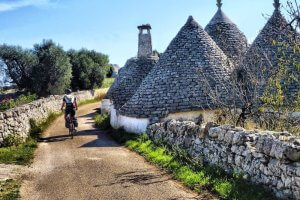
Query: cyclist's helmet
(68, 91)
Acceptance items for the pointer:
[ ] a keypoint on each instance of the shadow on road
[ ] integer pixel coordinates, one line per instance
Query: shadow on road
(103, 140)
(91, 115)
(58, 138)
(140, 177)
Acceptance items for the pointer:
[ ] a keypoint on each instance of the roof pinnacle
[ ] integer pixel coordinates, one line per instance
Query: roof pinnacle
(219, 3)
(276, 4)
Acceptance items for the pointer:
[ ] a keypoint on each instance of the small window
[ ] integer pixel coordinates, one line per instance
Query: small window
(145, 31)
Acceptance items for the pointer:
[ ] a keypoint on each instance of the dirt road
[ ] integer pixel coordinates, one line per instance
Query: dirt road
(93, 166)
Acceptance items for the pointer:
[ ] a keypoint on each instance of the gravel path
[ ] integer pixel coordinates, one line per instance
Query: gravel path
(93, 166)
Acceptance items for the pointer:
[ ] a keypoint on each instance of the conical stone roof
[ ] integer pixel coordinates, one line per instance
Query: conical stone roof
(129, 79)
(173, 85)
(263, 55)
(227, 36)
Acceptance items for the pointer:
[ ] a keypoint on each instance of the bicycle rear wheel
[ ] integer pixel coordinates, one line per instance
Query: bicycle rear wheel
(71, 129)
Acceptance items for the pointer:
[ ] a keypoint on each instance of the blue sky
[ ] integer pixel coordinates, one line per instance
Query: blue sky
(109, 26)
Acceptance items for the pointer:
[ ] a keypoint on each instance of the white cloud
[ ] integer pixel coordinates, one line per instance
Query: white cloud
(12, 5)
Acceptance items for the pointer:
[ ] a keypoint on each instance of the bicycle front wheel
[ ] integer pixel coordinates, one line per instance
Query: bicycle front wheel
(71, 130)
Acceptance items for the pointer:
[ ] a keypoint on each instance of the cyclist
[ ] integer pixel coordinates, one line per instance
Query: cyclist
(70, 102)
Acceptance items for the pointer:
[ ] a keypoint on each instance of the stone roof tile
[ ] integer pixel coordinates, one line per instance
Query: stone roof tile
(129, 78)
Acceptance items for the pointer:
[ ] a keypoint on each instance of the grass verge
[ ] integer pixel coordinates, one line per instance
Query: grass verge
(102, 121)
(22, 153)
(9, 189)
(19, 155)
(95, 100)
(101, 93)
(107, 82)
(195, 176)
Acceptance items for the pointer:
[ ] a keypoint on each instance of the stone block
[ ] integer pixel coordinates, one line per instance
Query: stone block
(229, 136)
(297, 182)
(238, 138)
(292, 153)
(214, 132)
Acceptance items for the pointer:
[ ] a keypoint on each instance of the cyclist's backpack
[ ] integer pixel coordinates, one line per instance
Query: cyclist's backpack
(69, 101)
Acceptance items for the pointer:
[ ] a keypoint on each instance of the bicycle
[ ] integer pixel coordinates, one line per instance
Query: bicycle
(71, 125)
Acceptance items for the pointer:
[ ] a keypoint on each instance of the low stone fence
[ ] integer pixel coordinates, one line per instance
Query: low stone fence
(268, 158)
(16, 120)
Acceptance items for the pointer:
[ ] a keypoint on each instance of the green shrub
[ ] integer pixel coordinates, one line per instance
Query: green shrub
(19, 155)
(9, 189)
(12, 140)
(7, 104)
(102, 121)
(11, 103)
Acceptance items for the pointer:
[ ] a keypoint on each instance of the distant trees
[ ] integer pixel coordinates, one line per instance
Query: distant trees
(47, 69)
(53, 72)
(89, 68)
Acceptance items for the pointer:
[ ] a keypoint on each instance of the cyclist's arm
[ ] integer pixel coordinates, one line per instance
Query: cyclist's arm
(63, 105)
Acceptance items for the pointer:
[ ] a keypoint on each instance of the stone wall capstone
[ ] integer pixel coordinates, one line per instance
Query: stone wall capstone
(268, 158)
(16, 120)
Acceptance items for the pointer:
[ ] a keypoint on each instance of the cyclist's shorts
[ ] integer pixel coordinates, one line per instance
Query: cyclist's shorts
(70, 111)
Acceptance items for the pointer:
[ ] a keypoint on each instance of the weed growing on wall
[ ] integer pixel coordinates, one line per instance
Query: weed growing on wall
(11, 103)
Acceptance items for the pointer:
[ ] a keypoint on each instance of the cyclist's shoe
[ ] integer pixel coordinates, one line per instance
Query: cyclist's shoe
(75, 122)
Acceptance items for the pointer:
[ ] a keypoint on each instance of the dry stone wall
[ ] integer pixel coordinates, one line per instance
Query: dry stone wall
(16, 120)
(268, 158)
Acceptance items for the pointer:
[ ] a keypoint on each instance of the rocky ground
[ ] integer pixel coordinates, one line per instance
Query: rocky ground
(10, 171)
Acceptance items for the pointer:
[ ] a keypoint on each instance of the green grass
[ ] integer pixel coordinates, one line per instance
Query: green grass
(89, 101)
(198, 177)
(18, 155)
(37, 128)
(102, 121)
(9, 189)
(107, 82)
(101, 93)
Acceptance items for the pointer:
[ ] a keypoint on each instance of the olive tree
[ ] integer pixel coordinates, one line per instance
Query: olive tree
(53, 72)
(89, 68)
(43, 70)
